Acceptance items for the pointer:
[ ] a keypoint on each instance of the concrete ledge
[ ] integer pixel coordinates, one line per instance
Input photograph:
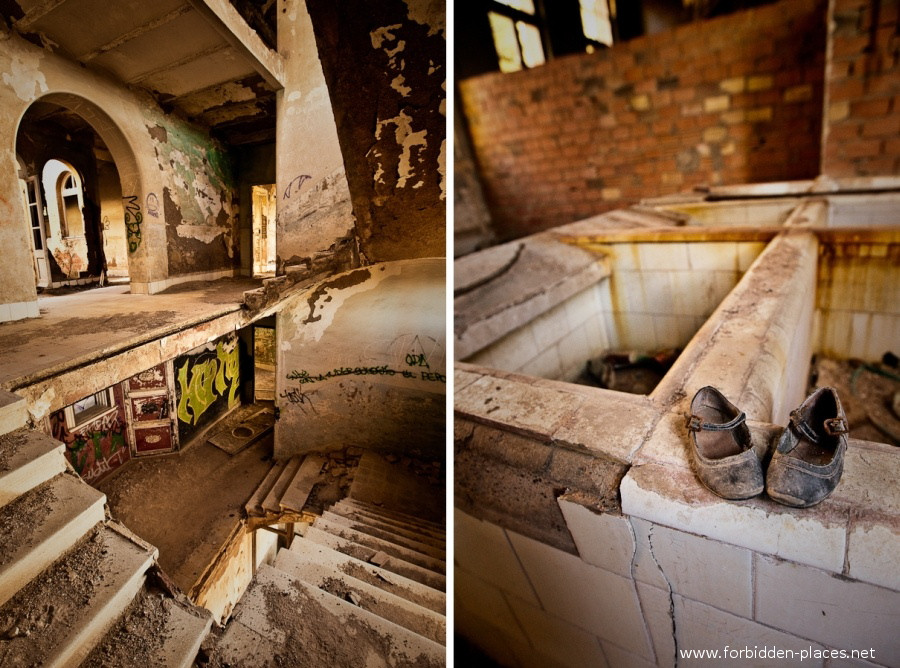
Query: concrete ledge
(19, 311)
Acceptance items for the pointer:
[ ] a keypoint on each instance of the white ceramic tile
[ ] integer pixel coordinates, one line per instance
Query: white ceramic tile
(704, 570)
(34, 310)
(638, 331)
(603, 540)
(486, 602)
(659, 256)
(485, 636)
(5, 314)
(701, 627)
(646, 570)
(628, 287)
(483, 550)
(560, 640)
(884, 336)
(872, 553)
(545, 365)
(657, 292)
(626, 256)
(550, 327)
(580, 307)
(840, 613)
(604, 296)
(656, 605)
(596, 600)
(620, 658)
(747, 252)
(574, 350)
(18, 310)
(712, 255)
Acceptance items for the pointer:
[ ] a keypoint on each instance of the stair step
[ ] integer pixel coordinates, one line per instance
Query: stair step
(391, 563)
(359, 520)
(156, 630)
(13, 412)
(393, 514)
(298, 491)
(434, 535)
(27, 459)
(254, 505)
(39, 526)
(391, 548)
(66, 610)
(401, 540)
(413, 591)
(283, 621)
(393, 608)
(271, 504)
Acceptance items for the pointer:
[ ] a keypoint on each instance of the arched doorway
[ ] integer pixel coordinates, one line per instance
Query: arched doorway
(72, 189)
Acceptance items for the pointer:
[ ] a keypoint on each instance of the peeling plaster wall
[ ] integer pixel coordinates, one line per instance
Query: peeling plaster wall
(391, 116)
(314, 209)
(362, 362)
(197, 197)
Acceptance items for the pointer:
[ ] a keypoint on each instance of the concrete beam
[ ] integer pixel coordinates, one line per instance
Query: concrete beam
(228, 23)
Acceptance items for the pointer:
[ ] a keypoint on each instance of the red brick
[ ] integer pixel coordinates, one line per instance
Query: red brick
(882, 127)
(845, 89)
(861, 148)
(868, 108)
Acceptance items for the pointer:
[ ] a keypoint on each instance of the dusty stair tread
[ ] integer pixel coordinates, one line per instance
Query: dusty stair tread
(389, 525)
(155, 631)
(13, 412)
(401, 539)
(254, 505)
(393, 514)
(305, 626)
(67, 609)
(28, 458)
(41, 525)
(389, 606)
(412, 590)
(393, 564)
(271, 503)
(393, 549)
(300, 486)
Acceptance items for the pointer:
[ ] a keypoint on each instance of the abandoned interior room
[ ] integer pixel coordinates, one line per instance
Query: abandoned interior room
(652, 198)
(222, 316)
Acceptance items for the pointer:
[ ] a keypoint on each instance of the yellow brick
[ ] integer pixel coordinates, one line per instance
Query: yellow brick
(640, 103)
(717, 103)
(759, 82)
(838, 111)
(715, 135)
(611, 193)
(732, 117)
(733, 85)
(798, 93)
(728, 149)
(672, 179)
(759, 114)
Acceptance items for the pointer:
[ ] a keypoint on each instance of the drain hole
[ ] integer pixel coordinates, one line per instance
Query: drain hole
(242, 432)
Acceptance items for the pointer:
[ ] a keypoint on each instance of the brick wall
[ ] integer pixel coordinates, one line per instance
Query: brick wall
(862, 134)
(732, 100)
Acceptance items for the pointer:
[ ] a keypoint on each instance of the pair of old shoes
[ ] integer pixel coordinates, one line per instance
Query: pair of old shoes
(805, 467)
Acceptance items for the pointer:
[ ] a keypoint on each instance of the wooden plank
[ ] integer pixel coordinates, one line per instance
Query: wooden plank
(300, 487)
(254, 505)
(271, 502)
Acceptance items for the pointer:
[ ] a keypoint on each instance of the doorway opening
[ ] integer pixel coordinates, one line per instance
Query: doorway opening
(73, 197)
(263, 212)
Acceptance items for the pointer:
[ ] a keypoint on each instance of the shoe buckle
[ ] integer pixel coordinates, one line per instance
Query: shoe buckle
(694, 423)
(835, 426)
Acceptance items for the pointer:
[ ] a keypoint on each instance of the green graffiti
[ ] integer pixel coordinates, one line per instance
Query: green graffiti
(76, 448)
(209, 380)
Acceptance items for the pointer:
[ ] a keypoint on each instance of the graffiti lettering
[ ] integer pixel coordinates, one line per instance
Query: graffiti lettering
(295, 184)
(296, 395)
(133, 220)
(105, 433)
(153, 205)
(209, 379)
(417, 359)
(305, 377)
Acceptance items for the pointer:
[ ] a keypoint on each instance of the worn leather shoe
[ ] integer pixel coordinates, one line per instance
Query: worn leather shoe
(809, 459)
(721, 451)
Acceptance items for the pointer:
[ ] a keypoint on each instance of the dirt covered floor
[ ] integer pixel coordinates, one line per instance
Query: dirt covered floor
(187, 504)
(869, 393)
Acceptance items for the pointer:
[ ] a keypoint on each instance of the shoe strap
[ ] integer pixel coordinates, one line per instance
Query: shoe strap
(696, 423)
(833, 427)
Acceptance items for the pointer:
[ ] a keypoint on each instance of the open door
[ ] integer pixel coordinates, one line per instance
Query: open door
(31, 193)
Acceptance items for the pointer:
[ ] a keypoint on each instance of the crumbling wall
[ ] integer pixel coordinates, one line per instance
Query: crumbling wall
(362, 361)
(730, 100)
(389, 107)
(862, 113)
(98, 447)
(197, 201)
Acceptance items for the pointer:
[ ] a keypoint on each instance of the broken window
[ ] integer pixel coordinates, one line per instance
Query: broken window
(596, 23)
(82, 412)
(517, 35)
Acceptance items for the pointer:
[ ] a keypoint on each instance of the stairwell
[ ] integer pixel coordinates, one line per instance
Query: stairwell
(363, 584)
(77, 588)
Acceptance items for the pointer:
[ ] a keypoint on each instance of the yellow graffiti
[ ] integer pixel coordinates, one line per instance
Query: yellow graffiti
(209, 380)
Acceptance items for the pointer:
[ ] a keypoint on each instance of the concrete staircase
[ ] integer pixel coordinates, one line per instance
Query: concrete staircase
(284, 491)
(360, 586)
(73, 585)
